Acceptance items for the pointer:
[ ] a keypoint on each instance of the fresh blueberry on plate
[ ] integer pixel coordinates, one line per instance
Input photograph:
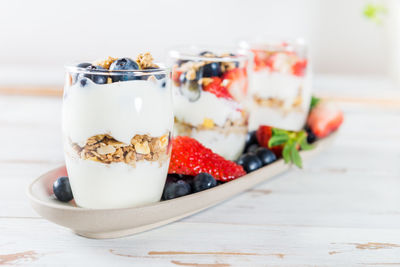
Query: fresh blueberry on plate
(311, 138)
(250, 162)
(250, 139)
(252, 148)
(265, 155)
(62, 189)
(176, 189)
(203, 181)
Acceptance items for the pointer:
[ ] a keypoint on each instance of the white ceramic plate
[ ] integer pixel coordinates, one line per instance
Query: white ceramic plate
(112, 223)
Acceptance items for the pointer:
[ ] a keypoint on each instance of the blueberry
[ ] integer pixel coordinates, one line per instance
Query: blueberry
(265, 155)
(83, 82)
(250, 139)
(252, 148)
(240, 159)
(211, 70)
(96, 78)
(176, 189)
(158, 76)
(62, 189)
(311, 138)
(208, 53)
(250, 162)
(191, 90)
(124, 64)
(203, 181)
(83, 65)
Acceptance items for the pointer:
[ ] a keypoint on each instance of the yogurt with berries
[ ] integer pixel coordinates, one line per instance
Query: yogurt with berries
(280, 88)
(208, 91)
(117, 120)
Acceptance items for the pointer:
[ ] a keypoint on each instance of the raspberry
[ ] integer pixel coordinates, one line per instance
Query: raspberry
(189, 157)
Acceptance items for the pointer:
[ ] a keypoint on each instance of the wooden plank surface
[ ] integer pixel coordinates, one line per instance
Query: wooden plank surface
(343, 208)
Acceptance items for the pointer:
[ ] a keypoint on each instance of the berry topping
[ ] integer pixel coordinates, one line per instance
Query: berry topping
(211, 69)
(299, 67)
(215, 87)
(237, 83)
(83, 65)
(191, 90)
(176, 188)
(324, 118)
(189, 157)
(203, 181)
(124, 64)
(62, 189)
(265, 155)
(96, 78)
(250, 162)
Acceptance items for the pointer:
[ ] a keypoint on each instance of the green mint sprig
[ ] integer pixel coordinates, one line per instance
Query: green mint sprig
(314, 101)
(291, 141)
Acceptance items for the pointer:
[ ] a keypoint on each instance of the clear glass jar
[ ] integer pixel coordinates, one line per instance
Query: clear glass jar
(117, 127)
(280, 85)
(209, 86)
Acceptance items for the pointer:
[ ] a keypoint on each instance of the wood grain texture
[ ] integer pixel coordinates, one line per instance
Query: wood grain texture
(342, 209)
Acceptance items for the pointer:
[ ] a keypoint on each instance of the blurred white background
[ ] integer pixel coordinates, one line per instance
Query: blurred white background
(39, 37)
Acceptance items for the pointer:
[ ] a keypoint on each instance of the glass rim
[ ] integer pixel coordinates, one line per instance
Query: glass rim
(178, 52)
(140, 72)
(273, 43)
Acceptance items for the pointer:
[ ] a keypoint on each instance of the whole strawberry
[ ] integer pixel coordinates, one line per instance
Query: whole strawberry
(324, 118)
(263, 135)
(189, 157)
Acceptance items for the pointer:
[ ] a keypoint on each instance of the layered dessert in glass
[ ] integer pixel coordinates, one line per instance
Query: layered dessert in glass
(208, 90)
(117, 123)
(280, 86)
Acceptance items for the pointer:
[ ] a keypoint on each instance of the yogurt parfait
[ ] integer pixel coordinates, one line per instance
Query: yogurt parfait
(117, 123)
(280, 88)
(208, 91)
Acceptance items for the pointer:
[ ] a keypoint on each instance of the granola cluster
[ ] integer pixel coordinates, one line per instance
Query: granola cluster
(105, 149)
(106, 63)
(145, 61)
(278, 103)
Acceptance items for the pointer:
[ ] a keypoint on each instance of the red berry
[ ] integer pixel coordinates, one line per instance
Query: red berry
(299, 67)
(238, 78)
(324, 118)
(189, 157)
(263, 134)
(217, 89)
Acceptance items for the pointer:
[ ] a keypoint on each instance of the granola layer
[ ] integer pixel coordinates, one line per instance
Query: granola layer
(105, 149)
(230, 127)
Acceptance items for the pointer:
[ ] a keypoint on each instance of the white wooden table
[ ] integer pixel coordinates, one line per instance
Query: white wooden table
(343, 208)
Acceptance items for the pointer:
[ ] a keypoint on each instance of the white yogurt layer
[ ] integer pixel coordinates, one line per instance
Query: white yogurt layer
(207, 106)
(291, 121)
(280, 86)
(116, 185)
(228, 146)
(120, 109)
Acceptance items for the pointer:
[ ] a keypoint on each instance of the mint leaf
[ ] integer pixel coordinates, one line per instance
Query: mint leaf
(306, 146)
(278, 140)
(314, 101)
(286, 153)
(295, 156)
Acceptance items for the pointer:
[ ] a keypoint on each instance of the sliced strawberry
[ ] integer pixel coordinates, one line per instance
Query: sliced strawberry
(263, 134)
(189, 157)
(324, 118)
(299, 67)
(237, 83)
(262, 60)
(176, 74)
(217, 89)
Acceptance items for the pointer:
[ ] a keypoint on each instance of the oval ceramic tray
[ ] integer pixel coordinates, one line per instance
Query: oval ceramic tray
(112, 223)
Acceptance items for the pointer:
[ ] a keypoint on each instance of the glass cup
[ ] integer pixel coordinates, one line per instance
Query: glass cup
(209, 87)
(116, 129)
(280, 85)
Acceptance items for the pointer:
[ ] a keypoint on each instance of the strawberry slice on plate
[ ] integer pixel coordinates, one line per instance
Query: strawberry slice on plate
(215, 87)
(324, 118)
(189, 157)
